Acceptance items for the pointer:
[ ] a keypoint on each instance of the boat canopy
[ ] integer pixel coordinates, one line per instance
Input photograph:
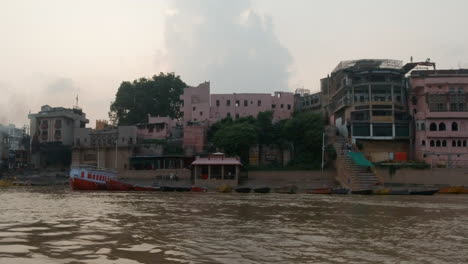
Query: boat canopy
(360, 160)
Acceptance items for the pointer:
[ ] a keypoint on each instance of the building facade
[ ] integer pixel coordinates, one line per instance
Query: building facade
(308, 102)
(367, 101)
(52, 135)
(438, 103)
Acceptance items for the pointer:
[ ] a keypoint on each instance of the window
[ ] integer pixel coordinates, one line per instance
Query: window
(438, 143)
(454, 143)
(194, 108)
(432, 143)
(228, 102)
(423, 142)
(237, 116)
(423, 126)
(228, 114)
(464, 143)
(433, 127)
(442, 127)
(237, 103)
(444, 143)
(217, 102)
(130, 140)
(58, 134)
(459, 143)
(289, 107)
(201, 113)
(282, 105)
(454, 126)
(246, 103)
(58, 123)
(273, 106)
(259, 103)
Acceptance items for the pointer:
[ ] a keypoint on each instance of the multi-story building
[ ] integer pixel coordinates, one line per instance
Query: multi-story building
(15, 146)
(367, 101)
(52, 135)
(308, 102)
(201, 108)
(438, 103)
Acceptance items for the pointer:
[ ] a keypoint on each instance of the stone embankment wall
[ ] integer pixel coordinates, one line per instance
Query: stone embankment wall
(435, 176)
(303, 179)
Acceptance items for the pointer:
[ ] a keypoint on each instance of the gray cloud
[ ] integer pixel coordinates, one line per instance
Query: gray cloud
(228, 43)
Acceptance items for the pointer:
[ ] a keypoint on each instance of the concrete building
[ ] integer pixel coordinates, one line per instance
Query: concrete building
(108, 148)
(159, 128)
(15, 146)
(438, 103)
(52, 134)
(201, 108)
(367, 101)
(308, 102)
(215, 170)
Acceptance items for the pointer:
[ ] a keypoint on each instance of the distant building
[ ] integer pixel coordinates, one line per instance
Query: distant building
(367, 101)
(159, 128)
(438, 103)
(14, 146)
(201, 109)
(52, 134)
(308, 102)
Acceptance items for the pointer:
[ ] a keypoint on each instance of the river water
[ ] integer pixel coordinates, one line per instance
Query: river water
(46, 225)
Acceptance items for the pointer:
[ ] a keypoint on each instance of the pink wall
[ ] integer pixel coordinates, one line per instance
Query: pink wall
(442, 141)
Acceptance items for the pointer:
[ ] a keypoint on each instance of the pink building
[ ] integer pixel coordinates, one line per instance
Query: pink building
(201, 109)
(156, 128)
(438, 103)
(200, 105)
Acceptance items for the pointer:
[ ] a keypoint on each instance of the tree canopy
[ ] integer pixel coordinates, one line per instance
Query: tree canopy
(157, 96)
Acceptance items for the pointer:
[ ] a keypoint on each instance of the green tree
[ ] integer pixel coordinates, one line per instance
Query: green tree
(236, 139)
(135, 100)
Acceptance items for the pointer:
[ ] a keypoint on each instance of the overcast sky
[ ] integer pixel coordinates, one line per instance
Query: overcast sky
(52, 50)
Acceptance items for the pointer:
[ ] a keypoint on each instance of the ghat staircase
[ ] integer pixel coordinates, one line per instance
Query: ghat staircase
(349, 173)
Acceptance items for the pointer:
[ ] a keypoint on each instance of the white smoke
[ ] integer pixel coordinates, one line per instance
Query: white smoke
(228, 43)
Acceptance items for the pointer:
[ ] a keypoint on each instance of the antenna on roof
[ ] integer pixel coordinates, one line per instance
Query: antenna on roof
(77, 100)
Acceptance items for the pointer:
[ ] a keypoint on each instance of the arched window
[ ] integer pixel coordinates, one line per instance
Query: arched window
(438, 143)
(423, 142)
(459, 143)
(432, 143)
(454, 126)
(444, 143)
(442, 127)
(433, 127)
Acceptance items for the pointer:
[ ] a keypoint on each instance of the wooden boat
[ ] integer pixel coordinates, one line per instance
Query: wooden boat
(182, 189)
(146, 188)
(262, 190)
(340, 191)
(465, 190)
(423, 192)
(385, 191)
(87, 178)
(320, 191)
(452, 190)
(6, 183)
(362, 192)
(115, 185)
(224, 188)
(243, 189)
(288, 189)
(198, 189)
(399, 192)
(167, 189)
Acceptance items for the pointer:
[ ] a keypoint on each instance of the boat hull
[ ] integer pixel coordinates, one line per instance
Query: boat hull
(382, 192)
(424, 192)
(320, 191)
(288, 189)
(146, 188)
(340, 191)
(452, 190)
(399, 192)
(78, 184)
(362, 192)
(199, 189)
(262, 190)
(224, 189)
(243, 190)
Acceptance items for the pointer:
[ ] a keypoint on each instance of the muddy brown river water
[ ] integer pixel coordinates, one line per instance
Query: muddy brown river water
(50, 225)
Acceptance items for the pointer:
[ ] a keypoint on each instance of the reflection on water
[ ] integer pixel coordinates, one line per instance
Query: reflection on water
(44, 225)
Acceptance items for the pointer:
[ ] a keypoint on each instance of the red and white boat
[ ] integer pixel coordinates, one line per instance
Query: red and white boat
(89, 178)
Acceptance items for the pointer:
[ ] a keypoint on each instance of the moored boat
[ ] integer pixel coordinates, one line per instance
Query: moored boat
(385, 191)
(262, 190)
(115, 185)
(88, 178)
(198, 189)
(452, 190)
(423, 192)
(465, 190)
(182, 189)
(340, 191)
(399, 192)
(288, 189)
(6, 183)
(320, 191)
(243, 189)
(362, 192)
(167, 189)
(224, 188)
(146, 188)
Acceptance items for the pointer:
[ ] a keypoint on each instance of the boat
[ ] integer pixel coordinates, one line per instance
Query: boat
(362, 192)
(452, 190)
(6, 183)
(224, 188)
(288, 189)
(89, 178)
(385, 191)
(115, 185)
(262, 190)
(399, 192)
(465, 190)
(320, 191)
(243, 189)
(146, 188)
(182, 189)
(423, 192)
(167, 189)
(340, 191)
(198, 189)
